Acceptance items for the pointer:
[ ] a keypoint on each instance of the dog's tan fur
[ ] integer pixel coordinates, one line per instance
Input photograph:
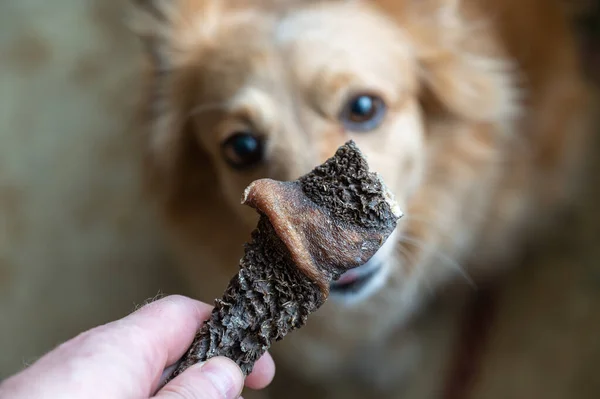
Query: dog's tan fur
(481, 143)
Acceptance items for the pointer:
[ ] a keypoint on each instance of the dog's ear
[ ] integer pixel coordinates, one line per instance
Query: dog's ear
(459, 68)
(153, 22)
(172, 157)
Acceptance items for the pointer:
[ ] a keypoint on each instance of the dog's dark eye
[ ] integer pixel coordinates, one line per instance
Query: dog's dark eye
(243, 150)
(363, 112)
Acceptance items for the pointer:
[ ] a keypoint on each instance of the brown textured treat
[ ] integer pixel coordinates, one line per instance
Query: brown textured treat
(310, 231)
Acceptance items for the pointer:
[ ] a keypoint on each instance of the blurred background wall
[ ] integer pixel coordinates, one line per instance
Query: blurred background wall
(79, 247)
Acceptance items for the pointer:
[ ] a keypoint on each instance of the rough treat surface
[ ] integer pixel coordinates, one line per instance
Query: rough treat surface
(345, 187)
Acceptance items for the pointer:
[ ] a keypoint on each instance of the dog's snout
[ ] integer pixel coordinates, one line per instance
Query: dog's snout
(290, 158)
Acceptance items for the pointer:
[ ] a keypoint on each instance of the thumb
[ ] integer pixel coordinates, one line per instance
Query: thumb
(217, 378)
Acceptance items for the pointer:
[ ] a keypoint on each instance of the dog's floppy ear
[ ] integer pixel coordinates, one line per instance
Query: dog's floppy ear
(152, 21)
(172, 157)
(458, 67)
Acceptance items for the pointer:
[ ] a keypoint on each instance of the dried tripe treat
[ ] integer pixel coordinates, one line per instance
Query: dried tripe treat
(310, 232)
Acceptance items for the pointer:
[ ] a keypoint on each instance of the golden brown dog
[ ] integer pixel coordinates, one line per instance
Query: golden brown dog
(473, 111)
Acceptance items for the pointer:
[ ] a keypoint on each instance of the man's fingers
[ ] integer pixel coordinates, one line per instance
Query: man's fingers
(123, 358)
(218, 378)
(172, 323)
(262, 373)
(166, 329)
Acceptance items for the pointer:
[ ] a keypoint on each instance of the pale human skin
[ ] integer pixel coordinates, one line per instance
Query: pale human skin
(129, 358)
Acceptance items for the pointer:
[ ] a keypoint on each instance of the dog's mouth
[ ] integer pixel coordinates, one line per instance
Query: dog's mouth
(355, 280)
(357, 284)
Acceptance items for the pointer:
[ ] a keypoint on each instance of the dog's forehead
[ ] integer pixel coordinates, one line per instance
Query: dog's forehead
(241, 51)
(341, 24)
(348, 33)
(342, 45)
(264, 48)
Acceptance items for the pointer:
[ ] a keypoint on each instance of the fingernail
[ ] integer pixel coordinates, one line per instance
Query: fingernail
(225, 375)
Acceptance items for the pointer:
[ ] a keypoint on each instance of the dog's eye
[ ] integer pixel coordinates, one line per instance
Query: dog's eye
(243, 150)
(363, 112)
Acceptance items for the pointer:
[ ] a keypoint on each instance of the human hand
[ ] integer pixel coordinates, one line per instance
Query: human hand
(127, 358)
